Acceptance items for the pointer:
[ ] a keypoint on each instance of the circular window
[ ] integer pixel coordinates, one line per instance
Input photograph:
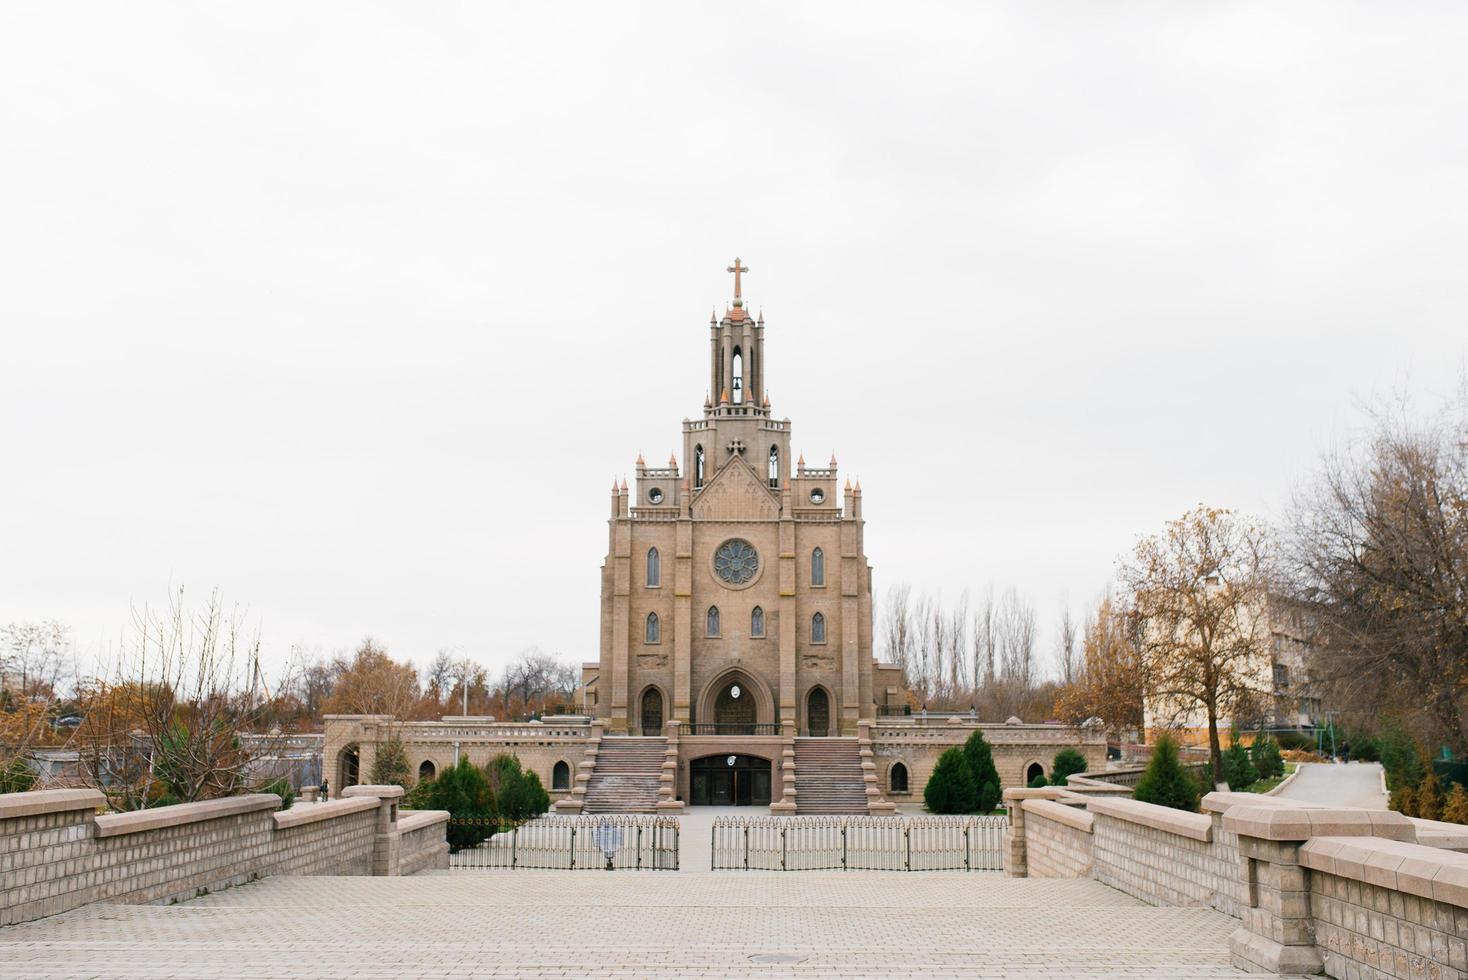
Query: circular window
(734, 692)
(655, 496)
(818, 496)
(736, 562)
(731, 760)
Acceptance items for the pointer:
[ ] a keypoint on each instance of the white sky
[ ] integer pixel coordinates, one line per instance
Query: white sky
(353, 310)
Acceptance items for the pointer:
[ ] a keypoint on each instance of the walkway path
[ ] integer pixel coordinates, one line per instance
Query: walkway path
(653, 925)
(1342, 784)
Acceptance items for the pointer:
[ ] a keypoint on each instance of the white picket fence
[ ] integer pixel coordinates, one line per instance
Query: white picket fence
(858, 843)
(612, 842)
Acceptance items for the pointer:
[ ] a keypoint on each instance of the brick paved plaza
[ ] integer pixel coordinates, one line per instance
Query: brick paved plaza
(634, 925)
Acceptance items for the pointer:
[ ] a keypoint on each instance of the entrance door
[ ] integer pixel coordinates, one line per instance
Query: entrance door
(734, 711)
(729, 780)
(652, 712)
(818, 713)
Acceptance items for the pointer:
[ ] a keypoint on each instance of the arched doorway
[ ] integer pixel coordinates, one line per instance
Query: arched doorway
(729, 780)
(348, 762)
(734, 710)
(427, 770)
(1033, 770)
(652, 711)
(818, 713)
(897, 778)
(561, 776)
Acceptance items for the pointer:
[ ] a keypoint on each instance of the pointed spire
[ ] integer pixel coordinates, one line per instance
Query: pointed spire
(798, 462)
(673, 460)
(724, 398)
(640, 460)
(767, 400)
(614, 484)
(848, 484)
(833, 459)
(858, 484)
(761, 320)
(706, 402)
(624, 485)
(713, 316)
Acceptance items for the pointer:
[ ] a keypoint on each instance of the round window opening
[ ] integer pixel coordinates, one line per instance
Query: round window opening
(818, 496)
(736, 561)
(654, 496)
(734, 692)
(731, 759)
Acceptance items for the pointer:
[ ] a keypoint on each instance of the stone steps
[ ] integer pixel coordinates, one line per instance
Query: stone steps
(828, 777)
(627, 774)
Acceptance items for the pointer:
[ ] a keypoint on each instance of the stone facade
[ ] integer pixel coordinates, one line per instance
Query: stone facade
(742, 570)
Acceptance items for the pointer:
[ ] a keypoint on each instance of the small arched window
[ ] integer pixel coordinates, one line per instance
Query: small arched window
(818, 628)
(654, 630)
(654, 569)
(774, 467)
(818, 567)
(561, 776)
(426, 770)
(738, 373)
(711, 623)
(697, 467)
(757, 622)
(897, 779)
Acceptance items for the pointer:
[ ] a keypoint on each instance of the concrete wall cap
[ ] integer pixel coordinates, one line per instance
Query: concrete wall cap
(376, 792)
(418, 819)
(1044, 793)
(1196, 826)
(1221, 802)
(1060, 813)
(304, 813)
(137, 821)
(15, 805)
(1415, 869)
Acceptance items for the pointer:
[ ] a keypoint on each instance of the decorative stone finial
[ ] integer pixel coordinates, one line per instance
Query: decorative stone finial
(724, 398)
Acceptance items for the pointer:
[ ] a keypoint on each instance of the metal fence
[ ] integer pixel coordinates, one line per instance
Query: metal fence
(858, 843)
(610, 843)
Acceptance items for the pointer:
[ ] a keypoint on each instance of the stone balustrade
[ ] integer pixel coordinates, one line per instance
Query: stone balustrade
(1349, 892)
(57, 852)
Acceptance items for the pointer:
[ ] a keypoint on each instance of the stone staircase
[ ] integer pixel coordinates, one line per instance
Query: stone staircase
(828, 776)
(626, 777)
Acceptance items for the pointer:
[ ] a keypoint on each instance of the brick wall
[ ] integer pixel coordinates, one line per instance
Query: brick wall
(1159, 866)
(1059, 840)
(56, 853)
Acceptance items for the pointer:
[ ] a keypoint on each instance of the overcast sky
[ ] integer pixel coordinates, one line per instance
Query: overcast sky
(354, 310)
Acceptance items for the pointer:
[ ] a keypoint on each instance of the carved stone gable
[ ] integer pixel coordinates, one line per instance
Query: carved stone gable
(736, 494)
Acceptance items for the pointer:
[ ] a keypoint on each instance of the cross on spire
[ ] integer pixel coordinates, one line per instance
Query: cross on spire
(736, 268)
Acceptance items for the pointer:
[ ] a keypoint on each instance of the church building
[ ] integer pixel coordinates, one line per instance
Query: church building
(736, 593)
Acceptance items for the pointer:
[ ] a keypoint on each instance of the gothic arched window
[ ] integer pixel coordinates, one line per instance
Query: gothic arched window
(818, 628)
(757, 622)
(654, 569)
(654, 629)
(697, 467)
(818, 567)
(561, 776)
(775, 467)
(738, 372)
(711, 624)
(897, 779)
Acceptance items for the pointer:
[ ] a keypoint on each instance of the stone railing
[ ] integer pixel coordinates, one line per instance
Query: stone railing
(1350, 892)
(58, 853)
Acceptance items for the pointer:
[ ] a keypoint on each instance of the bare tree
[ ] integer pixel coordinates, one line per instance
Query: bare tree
(1201, 591)
(1067, 656)
(34, 659)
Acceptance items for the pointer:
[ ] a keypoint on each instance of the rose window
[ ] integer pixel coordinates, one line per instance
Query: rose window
(736, 561)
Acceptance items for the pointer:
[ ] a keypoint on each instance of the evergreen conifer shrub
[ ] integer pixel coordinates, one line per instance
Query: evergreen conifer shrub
(1039, 782)
(1430, 797)
(1455, 810)
(1238, 768)
(951, 787)
(1067, 763)
(390, 768)
(1267, 760)
(979, 756)
(1165, 782)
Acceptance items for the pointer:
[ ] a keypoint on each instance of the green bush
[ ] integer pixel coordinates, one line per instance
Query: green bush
(1403, 799)
(1455, 809)
(281, 788)
(1067, 763)
(1267, 760)
(1165, 782)
(951, 787)
(16, 776)
(463, 790)
(518, 794)
(390, 768)
(1238, 768)
(979, 757)
(1400, 756)
(1039, 782)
